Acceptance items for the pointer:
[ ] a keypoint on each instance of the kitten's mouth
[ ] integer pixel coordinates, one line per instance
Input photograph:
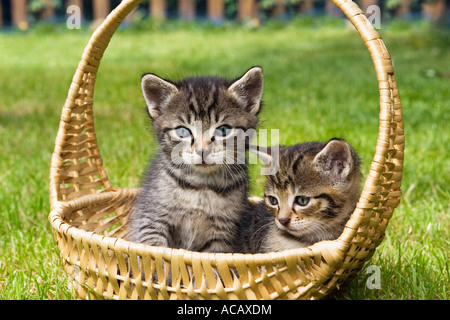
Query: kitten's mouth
(205, 165)
(291, 229)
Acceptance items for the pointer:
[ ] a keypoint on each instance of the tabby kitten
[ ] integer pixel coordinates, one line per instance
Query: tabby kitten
(195, 191)
(308, 200)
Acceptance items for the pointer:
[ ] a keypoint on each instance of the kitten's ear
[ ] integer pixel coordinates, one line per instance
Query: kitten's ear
(262, 153)
(335, 160)
(157, 93)
(248, 89)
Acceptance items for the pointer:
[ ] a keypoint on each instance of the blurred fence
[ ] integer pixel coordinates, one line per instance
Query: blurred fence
(22, 13)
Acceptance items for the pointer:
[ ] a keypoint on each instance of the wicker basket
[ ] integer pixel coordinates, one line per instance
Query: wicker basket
(88, 214)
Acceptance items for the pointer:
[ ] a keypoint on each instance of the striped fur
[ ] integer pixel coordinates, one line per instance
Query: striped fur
(327, 174)
(195, 202)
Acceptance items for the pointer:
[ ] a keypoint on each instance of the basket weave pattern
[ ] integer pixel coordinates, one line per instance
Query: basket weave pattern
(88, 215)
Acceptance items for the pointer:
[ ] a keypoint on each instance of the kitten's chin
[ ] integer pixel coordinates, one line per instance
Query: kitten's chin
(281, 227)
(297, 231)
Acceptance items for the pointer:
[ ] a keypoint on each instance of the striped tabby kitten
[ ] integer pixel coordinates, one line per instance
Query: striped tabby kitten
(308, 200)
(190, 198)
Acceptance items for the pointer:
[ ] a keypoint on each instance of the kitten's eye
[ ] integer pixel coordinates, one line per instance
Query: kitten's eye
(272, 200)
(222, 131)
(183, 132)
(302, 200)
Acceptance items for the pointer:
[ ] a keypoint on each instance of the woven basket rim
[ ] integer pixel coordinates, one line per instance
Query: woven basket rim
(113, 243)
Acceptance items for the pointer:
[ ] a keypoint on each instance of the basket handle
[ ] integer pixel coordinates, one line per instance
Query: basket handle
(381, 191)
(77, 166)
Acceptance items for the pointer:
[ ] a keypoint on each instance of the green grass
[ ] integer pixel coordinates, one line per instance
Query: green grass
(319, 83)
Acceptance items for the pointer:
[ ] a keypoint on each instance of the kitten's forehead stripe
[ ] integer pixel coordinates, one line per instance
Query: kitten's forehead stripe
(182, 119)
(212, 102)
(188, 117)
(216, 116)
(327, 197)
(192, 109)
(296, 163)
(193, 104)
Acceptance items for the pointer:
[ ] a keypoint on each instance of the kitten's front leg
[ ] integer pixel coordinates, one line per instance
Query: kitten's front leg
(151, 231)
(157, 238)
(218, 246)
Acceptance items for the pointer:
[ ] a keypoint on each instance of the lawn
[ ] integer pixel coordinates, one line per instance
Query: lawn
(319, 83)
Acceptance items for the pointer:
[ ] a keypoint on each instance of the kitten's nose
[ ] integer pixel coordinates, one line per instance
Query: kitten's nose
(284, 221)
(203, 152)
(201, 147)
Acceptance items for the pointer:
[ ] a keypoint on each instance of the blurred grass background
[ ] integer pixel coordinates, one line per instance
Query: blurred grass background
(319, 84)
